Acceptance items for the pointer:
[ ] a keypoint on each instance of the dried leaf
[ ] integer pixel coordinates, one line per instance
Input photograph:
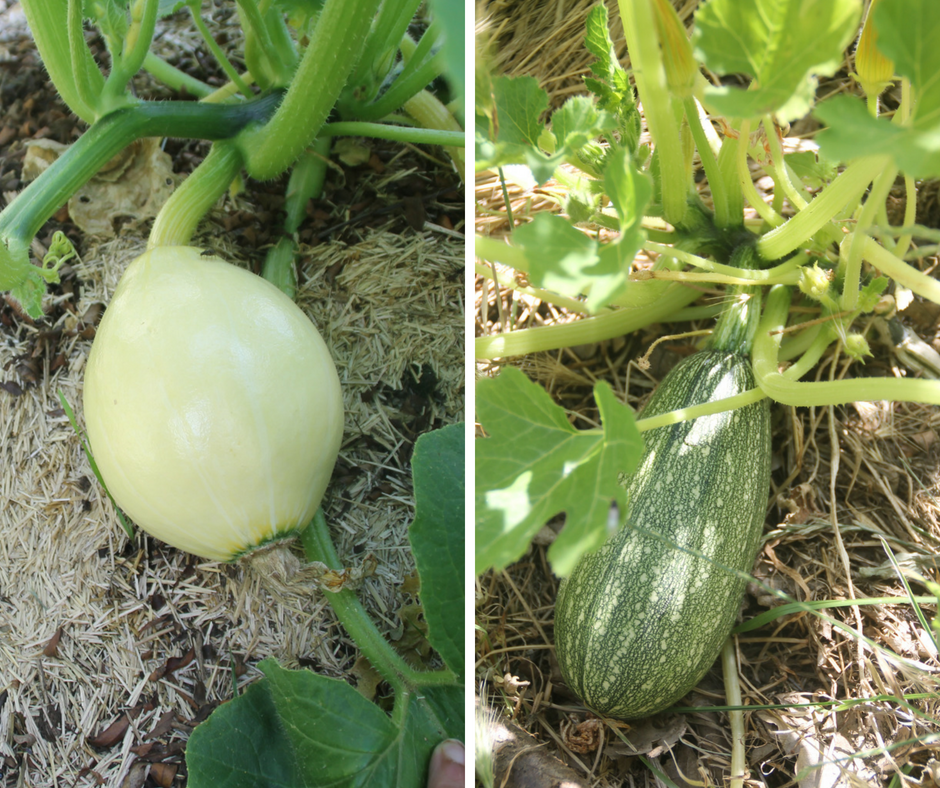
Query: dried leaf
(51, 649)
(112, 734)
(163, 774)
(368, 678)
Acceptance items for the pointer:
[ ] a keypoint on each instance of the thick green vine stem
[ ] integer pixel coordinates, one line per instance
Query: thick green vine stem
(379, 53)
(402, 89)
(326, 64)
(306, 182)
(650, 76)
(848, 187)
(349, 610)
(49, 24)
(181, 213)
(592, 329)
(25, 216)
(852, 247)
(901, 272)
(85, 74)
(709, 163)
(134, 51)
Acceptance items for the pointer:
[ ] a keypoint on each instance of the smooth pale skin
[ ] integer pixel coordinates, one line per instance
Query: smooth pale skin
(212, 405)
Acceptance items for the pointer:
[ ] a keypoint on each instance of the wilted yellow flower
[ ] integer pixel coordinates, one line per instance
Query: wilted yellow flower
(873, 70)
(681, 67)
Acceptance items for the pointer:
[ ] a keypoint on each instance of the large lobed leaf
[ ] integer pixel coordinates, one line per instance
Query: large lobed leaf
(510, 129)
(781, 44)
(535, 465)
(296, 729)
(567, 261)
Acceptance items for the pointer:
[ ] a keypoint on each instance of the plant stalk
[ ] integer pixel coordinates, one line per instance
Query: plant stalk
(25, 216)
(326, 64)
(384, 131)
(49, 24)
(352, 615)
(181, 213)
(733, 698)
(650, 76)
(593, 329)
(829, 392)
(847, 188)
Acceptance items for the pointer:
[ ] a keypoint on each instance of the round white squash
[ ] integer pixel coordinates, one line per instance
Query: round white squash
(212, 405)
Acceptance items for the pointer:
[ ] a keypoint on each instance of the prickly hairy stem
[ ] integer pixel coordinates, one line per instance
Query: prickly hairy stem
(327, 62)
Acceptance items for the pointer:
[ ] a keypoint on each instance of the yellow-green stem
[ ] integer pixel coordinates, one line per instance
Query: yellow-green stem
(430, 113)
(850, 252)
(729, 666)
(593, 329)
(766, 212)
(181, 214)
(650, 76)
(846, 188)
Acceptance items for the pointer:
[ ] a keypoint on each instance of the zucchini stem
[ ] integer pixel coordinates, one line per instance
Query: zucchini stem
(326, 64)
(592, 329)
(781, 388)
(25, 216)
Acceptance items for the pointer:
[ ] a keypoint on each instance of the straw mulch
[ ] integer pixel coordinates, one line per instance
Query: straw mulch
(846, 480)
(113, 649)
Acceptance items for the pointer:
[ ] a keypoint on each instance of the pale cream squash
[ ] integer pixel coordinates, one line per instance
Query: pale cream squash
(212, 405)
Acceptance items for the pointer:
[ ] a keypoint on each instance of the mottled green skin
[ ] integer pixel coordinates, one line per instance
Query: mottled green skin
(638, 623)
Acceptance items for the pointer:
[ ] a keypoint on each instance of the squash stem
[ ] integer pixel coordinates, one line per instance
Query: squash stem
(306, 182)
(736, 718)
(25, 216)
(173, 78)
(709, 164)
(737, 324)
(181, 213)
(333, 51)
(594, 329)
(845, 189)
(352, 615)
(68, 66)
(649, 73)
(781, 388)
(385, 131)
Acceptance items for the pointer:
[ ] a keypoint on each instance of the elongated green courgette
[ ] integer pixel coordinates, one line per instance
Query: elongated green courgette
(638, 623)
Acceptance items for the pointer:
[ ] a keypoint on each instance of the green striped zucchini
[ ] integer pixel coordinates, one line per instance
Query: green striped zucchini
(639, 622)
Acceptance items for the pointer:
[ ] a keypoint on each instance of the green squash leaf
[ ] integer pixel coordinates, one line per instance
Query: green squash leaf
(781, 44)
(534, 465)
(852, 132)
(907, 33)
(510, 129)
(450, 16)
(437, 538)
(569, 262)
(296, 728)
